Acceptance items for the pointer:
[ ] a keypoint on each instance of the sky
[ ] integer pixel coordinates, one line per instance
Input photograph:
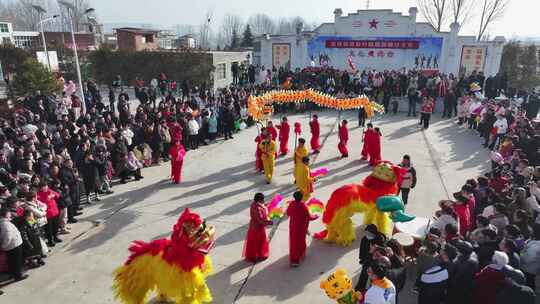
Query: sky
(521, 18)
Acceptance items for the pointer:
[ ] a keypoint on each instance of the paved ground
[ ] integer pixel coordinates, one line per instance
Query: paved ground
(219, 183)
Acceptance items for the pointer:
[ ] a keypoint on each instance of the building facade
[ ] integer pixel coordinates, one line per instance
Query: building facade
(166, 40)
(223, 61)
(136, 39)
(185, 42)
(380, 40)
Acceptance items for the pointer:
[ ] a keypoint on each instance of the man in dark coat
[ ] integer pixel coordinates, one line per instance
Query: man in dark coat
(461, 284)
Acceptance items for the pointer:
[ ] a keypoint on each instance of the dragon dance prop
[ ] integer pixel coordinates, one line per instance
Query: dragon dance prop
(375, 197)
(175, 269)
(260, 107)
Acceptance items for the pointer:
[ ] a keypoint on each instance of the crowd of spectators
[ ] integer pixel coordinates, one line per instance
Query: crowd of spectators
(54, 159)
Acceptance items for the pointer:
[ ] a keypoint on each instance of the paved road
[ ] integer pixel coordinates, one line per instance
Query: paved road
(219, 183)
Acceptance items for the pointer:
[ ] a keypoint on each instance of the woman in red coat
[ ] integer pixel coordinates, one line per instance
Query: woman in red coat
(284, 130)
(315, 134)
(461, 207)
(374, 147)
(343, 139)
(177, 153)
(49, 198)
(299, 218)
(272, 130)
(368, 140)
(256, 246)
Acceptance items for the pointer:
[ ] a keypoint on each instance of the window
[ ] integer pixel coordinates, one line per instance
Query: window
(3, 28)
(221, 71)
(149, 38)
(6, 40)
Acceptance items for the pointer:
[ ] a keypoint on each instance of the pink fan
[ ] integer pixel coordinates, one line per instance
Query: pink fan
(319, 172)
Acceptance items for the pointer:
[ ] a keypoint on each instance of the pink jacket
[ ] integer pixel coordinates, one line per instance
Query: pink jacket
(49, 198)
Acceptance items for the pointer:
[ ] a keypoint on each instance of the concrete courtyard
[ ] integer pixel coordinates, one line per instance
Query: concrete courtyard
(219, 182)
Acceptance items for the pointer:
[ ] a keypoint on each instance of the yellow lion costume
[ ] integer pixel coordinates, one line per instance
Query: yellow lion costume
(338, 286)
(175, 269)
(375, 197)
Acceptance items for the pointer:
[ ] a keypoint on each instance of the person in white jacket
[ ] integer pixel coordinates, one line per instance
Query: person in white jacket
(382, 290)
(502, 127)
(11, 243)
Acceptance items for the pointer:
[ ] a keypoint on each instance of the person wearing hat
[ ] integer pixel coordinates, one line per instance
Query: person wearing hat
(461, 285)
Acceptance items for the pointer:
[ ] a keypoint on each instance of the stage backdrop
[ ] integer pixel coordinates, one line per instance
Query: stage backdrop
(380, 53)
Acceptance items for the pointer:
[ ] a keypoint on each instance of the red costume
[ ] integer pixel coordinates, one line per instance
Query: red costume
(315, 134)
(256, 246)
(272, 132)
(372, 146)
(177, 153)
(343, 139)
(299, 218)
(284, 130)
(258, 152)
(176, 131)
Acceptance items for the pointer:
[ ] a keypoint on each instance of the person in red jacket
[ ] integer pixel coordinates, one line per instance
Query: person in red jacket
(299, 218)
(343, 139)
(368, 139)
(176, 130)
(284, 131)
(426, 110)
(49, 198)
(177, 153)
(272, 130)
(374, 147)
(461, 207)
(256, 246)
(315, 134)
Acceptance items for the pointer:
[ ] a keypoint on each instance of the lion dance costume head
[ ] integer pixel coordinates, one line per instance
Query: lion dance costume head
(175, 269)
(375, 197)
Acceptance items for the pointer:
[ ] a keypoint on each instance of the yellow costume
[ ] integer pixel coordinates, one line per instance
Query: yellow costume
(268, 157)
(300, 153)
(304, 181)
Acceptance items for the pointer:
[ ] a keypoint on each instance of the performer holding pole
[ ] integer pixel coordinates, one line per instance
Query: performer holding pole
(268, 157)
(343, 139)
(284, 130)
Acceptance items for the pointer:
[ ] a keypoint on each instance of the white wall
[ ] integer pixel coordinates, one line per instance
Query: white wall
(389, 24)
(226, 58)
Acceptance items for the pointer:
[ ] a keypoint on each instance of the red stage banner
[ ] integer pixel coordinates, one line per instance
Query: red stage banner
(373, 44)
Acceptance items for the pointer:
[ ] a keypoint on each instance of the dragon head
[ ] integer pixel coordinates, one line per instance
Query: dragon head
(192, 230)
(388, 172)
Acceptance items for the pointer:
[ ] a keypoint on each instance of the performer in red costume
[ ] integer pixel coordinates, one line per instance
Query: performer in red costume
(374, 150)
(368, 139)
(256, 247)
(343, 139)
(272, 130)
(177, 153)
(315, 134)
(258, 160)
(299, 218)
(284, 130)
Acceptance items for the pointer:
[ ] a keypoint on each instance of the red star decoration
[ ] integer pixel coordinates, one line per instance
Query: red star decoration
(373, 24)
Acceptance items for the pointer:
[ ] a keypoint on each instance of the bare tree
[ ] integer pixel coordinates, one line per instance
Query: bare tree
(261, 24)
(230, 25)
(435, 12)
(289, 25)
(462, 10)
(205, 31)
(491, 11)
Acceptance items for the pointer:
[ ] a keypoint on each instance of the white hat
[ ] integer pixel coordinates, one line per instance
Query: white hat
(500, 258)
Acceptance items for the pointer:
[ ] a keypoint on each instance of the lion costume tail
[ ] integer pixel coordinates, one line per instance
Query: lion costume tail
(146, 269)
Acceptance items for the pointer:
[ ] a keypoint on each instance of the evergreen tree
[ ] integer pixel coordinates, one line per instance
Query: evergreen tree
(247, 39)
(510, 62)
(33, 76)
(528, 65)
(235, 41)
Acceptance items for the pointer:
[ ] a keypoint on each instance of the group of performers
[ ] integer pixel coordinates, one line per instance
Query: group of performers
(266, 150)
